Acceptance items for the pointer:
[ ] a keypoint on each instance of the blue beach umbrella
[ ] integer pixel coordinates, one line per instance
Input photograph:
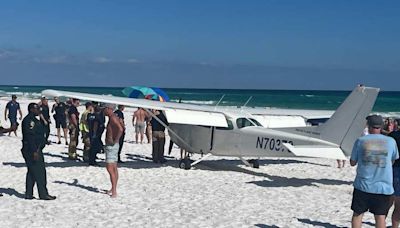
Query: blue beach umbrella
(161, 93)
(145, 92)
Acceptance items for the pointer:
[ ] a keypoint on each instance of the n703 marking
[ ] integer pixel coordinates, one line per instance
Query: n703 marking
(271, 144)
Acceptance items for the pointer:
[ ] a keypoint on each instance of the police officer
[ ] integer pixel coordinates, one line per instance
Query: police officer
(45, 117)
(33, 141)
(96, 128)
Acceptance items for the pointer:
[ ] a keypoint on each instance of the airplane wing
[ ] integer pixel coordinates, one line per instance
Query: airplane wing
(175, 112)
(271, 111)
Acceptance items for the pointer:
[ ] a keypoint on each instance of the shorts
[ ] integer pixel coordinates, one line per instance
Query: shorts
(377, 204)
(139, 127)
(61, 123)
(396, 180)
(13, 121)
(111, 153)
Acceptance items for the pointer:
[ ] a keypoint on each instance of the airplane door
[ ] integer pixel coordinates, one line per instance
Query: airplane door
(225, 142)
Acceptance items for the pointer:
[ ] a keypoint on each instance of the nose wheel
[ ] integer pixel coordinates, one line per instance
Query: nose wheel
(254, 163)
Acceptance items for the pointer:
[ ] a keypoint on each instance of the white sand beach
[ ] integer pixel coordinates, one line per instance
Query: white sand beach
(219, 192)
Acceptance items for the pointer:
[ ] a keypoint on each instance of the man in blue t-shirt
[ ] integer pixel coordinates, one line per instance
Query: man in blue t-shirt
(12, 108)
(374, 155)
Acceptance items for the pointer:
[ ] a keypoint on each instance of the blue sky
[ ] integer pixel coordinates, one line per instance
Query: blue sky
(261, 44)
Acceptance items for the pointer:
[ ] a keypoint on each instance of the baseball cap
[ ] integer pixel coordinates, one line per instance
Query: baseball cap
(375, 121)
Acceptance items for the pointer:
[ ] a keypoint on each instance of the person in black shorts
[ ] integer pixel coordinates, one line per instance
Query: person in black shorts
(60, 118)
(12, 108)
(374, 155)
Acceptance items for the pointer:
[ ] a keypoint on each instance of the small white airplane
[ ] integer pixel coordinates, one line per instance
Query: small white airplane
(215, 131)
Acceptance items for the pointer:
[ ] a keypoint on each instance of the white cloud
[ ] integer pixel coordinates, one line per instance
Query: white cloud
(132, 60)
(101, 60)
(52, 59)
(5, 54)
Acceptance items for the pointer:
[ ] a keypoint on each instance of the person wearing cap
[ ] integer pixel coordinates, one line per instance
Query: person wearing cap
(33, 142)
(73, 127)
(374, 155)
(45, 117)
(113, 134)
(10, 112)
(84, 127)
(395, 134)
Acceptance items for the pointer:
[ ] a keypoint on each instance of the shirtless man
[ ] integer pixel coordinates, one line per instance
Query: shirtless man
(114, 132)
(139, 115)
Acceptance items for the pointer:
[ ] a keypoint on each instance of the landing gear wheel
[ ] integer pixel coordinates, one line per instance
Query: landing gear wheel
(254, 163)
(185, 164)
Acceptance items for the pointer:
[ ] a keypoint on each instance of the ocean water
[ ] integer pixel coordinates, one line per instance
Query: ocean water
(388, 101)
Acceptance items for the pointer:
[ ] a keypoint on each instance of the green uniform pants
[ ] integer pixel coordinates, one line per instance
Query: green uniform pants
(73, 132)
(36, 174)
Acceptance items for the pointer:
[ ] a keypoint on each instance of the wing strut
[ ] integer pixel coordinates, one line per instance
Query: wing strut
(166, 126)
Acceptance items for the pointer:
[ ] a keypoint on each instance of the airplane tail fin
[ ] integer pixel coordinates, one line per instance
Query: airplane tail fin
(348, 122)
(335, 138)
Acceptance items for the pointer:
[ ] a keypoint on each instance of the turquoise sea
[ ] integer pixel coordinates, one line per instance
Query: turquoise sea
(387, 102)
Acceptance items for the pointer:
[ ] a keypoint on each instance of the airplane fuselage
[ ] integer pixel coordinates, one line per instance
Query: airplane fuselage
(249, 141)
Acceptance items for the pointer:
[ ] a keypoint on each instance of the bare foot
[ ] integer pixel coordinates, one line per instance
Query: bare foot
(113, 195)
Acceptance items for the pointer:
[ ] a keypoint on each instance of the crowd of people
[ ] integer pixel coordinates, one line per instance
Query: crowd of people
(90, 125)
(376, 186)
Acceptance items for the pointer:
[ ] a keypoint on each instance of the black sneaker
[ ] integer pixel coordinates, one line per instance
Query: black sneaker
(48, 197)
(59, 142)
(29, 197)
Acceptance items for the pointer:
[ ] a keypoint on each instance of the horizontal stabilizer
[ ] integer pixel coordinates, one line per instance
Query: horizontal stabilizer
(318, 151)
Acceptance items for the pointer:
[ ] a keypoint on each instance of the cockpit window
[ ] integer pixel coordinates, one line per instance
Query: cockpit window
(230, 126)
(244, 122)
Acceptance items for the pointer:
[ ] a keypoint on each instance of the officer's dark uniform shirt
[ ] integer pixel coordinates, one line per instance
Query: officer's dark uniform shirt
(100, 119)
(73, 110)
(33, 137)
(60, 111)
(45, 111)
(12, 109)
(119, 113)
(155, 125)
(396, 136)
